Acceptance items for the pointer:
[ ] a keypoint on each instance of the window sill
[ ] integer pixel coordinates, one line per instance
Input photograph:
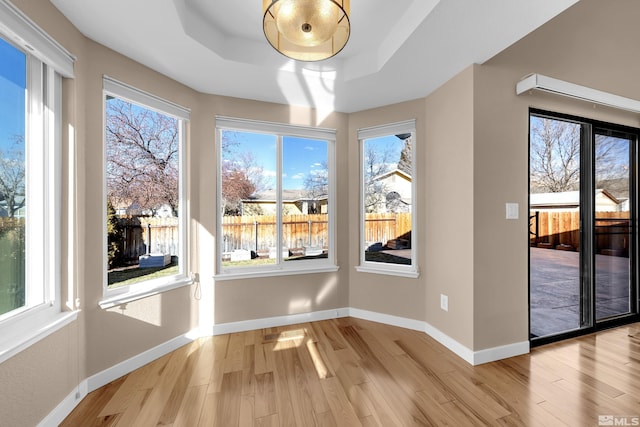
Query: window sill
(252, 274)
(34, 330)
(136, 294)
(412, 274)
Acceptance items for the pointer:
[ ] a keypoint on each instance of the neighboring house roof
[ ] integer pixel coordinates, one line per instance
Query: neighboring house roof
(392, 172)
(565, 199)
(288, 196)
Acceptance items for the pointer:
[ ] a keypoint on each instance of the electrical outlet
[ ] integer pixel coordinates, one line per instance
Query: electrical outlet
(444, 302)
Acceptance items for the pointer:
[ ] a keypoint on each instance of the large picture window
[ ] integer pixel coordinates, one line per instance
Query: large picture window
(144, 185)
(275, 197)
(32, 66)
(387, 199)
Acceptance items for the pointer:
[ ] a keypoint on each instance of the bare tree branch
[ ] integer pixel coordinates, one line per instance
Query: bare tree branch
(12, 176)
(142, 157)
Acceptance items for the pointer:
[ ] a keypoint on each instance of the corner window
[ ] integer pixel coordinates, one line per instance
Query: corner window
(145, 227)
(275, 198)
(387, 200)
(32, 66)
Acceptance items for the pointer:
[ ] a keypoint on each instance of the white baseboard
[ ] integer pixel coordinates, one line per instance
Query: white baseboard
(470, 356)
(96, 381)
(270, 322)
(65, 407)
(387, 319)
(501, 352)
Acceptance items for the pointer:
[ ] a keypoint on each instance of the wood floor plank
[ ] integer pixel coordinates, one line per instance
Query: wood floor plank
(133, 407)
(92, 405)
(265, 395)
(178, 392)
(228, 410)
(192, 406)
(479, 400)
(342, 410)
(355, 372)
(247, 411)
(313, 370)
(248, 370)
(203, 364)
(288, 362)
(208, 415)
(235, 353)
(381, 409)
(268, 421)
(154, 405)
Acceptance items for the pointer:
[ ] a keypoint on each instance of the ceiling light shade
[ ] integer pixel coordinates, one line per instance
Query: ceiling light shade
(306, 30)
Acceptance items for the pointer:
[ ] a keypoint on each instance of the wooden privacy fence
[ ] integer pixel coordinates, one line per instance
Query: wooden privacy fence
(159, 235)
(11, 223)
(383, 227)
(562, 230)
(258, 233)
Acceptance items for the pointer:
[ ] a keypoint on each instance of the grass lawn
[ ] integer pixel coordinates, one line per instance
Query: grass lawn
(130, 275)
(249, 262)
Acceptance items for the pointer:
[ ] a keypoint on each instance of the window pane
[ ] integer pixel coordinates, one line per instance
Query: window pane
(13, 71)
(387, 185)
(142, 173)
(613, 224)
(248, 199)
(305, 198)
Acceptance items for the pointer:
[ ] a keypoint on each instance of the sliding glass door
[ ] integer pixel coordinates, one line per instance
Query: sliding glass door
(555, 257)
(582, 256)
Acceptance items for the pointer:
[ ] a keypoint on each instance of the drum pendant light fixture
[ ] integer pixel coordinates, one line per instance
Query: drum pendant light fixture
(306, 30)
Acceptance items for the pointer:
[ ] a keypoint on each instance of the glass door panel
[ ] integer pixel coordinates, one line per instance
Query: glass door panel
(556, 296)
(612, 224)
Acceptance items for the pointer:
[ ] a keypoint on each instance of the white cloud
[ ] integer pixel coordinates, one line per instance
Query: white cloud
(298, 176)
(309, 148)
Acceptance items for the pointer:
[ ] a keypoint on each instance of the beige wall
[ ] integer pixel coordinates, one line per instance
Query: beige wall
(471, 157)
(449, 163)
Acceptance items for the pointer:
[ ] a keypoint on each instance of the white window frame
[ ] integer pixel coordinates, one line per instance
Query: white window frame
(411, 271)
(123, 294)
(281, 267)
(47, 63)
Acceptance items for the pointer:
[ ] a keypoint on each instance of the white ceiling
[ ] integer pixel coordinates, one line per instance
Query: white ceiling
(398, 50)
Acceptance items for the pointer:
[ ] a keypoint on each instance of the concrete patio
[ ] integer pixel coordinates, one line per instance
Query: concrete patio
(555, 289)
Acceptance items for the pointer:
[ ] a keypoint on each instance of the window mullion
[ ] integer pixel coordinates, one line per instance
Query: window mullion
(35, 148)
(279, 200)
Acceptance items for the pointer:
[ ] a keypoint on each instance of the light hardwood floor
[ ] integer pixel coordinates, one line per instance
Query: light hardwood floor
(352, 372)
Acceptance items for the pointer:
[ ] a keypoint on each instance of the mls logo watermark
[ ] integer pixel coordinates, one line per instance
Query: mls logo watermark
(618, 420)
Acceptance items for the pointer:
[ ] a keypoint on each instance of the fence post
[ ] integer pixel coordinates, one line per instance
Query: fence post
(310, 224)
(148, 238)
(255, 222)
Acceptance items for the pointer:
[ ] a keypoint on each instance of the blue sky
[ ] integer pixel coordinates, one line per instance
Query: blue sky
(300, 156)
(391, 144)
(12, 93)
